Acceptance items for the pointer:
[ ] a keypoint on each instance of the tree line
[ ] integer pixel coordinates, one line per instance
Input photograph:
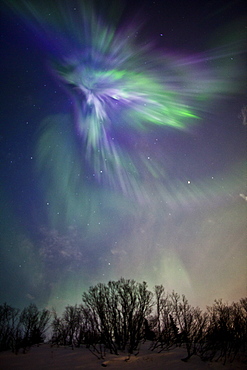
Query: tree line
(121, 315)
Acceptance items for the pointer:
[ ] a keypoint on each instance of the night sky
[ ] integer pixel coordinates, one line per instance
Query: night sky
(123, 149)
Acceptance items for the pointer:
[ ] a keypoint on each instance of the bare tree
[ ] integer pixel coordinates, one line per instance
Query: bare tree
(9, 319)
(227, 331)
(162, 322)
(22, 329)
(191, 323)
(121, 314)
(119, 310)
(177, 323)
(33, 324)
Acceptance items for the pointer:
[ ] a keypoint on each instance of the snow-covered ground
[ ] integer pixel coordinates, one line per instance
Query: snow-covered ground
(46, 357)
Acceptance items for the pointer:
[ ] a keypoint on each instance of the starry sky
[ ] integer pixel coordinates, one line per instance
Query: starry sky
(166, 115)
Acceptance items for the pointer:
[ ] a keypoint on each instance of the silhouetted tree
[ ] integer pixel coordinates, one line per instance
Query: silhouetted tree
(119, 310)
(191, 324)
(149, 334)
(164, 323)
(121, 314)
(22, 329)
(60, 330)
(227, 331)
(9, 320)
(177, 323)
(33, 324)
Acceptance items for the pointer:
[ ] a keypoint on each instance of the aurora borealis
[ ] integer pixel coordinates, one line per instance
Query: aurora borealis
(123, 149)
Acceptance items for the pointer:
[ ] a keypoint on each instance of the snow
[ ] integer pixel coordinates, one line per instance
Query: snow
(61, 358)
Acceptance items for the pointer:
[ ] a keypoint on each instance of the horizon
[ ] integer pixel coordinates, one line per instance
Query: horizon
(123, 149)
